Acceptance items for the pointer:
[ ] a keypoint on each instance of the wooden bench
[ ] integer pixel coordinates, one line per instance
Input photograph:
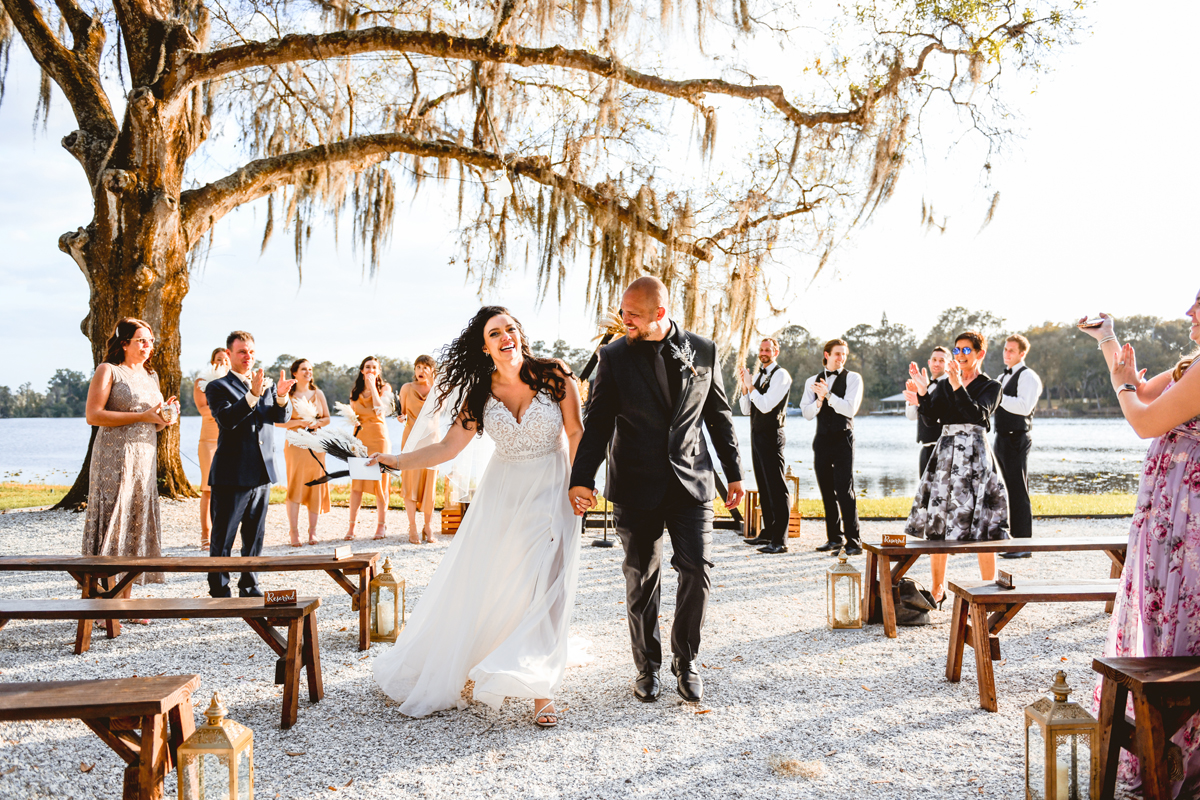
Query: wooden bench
(143, 719)
(297, 647)
(97, 576)
(982, 610)
(1166, 693)
(887, 565)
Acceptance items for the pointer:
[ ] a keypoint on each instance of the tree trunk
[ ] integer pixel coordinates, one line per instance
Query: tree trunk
(134, 257)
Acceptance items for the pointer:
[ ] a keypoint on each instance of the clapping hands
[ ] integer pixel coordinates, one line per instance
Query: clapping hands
(918, 380)
(1124, 368)
(820, 389)
(954, 374)
(285, 384)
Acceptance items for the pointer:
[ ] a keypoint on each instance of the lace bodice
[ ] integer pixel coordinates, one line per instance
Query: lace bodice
(539, 433)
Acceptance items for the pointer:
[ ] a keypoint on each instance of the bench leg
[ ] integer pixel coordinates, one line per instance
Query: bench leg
(1113, 697)
(312, 659)
(291, 675)
(870, 589)
(364, 608)
(182, 722)
(887, 596)
(958, 640)
(151, 766)
(983, 657)
(1151, 743)
(1118, 565)
(83, 633)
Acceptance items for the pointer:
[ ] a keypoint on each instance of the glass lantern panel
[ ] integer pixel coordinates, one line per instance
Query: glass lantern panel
(385, 611)
(1035, 767)
(1074, 757)
(214, 778)
(845, 602)
(243, 773)
(189, 778)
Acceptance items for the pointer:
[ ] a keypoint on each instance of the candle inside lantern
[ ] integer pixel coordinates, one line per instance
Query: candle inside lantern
(1063, 774)
(842, 613)
(385, 617)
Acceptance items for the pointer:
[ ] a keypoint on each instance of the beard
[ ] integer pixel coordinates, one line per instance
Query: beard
(637, 335)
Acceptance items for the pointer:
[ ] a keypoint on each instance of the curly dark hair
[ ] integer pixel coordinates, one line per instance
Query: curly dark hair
(360, 383)
(464, 363)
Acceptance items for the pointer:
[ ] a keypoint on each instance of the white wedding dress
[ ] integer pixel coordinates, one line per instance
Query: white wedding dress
(498, 609)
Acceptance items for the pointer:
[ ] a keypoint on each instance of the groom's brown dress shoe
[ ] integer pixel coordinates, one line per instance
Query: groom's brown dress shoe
(647, 687)
(691, 688)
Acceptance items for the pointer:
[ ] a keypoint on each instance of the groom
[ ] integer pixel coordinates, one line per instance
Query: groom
(653, 390)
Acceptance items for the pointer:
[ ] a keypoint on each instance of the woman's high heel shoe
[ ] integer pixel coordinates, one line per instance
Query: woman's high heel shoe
(380, 531)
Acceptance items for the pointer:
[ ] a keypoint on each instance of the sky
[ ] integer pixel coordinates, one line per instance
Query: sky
(1096, 199)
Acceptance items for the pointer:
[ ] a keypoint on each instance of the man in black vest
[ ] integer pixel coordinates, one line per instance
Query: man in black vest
(1020, 388)
(765, 399)
(929, 429)
(832, 398)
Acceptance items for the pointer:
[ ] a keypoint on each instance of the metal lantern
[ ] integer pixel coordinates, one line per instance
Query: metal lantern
(843, 590)
(217, 760)
(387, 605)
(1061, 753)
(794, 481)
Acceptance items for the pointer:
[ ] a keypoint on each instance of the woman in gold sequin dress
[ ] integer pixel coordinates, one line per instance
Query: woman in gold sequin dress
(125, 404)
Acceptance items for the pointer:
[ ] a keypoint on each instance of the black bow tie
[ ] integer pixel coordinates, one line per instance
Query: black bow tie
(1008, 370)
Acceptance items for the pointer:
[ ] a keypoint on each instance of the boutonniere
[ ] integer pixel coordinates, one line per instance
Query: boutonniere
(684, 354)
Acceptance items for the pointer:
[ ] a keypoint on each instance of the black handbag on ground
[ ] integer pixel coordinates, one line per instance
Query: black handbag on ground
(914, 605)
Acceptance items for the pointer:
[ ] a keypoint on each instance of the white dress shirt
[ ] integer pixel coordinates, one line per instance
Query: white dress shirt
(846, 406)
(1029, 389)
(781, 384)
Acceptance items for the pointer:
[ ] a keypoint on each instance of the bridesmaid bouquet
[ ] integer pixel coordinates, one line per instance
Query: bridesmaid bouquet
(212, 373)
(305, 410)
(387, 404)
(332, 441)
(347, 413)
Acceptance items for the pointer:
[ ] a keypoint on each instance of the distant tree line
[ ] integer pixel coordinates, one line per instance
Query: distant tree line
(1074, 376)
(1067, 361)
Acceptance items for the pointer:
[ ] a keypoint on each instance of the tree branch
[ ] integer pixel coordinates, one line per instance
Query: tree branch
(315, 47)
(77, 74)
(201, 208)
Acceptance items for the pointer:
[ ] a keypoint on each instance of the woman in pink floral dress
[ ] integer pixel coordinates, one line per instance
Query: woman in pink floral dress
(1157, 612)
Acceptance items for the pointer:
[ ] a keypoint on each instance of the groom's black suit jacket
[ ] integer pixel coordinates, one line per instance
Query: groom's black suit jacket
(245, 443)
(650, 441)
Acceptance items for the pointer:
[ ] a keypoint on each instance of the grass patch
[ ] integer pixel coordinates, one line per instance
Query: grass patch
(30, 495)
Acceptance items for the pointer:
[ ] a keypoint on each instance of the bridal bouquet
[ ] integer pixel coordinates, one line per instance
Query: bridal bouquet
(212, 373)
(333, 441)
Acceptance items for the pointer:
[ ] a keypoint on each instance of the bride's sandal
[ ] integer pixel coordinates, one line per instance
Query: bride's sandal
(545, 719)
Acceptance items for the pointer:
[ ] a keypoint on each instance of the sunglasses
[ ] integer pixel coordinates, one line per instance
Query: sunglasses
(963, 351)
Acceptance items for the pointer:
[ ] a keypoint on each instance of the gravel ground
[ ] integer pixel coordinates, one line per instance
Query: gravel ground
(864, 715)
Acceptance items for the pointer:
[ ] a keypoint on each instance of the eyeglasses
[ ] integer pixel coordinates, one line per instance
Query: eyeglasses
(140, 340)
(964, 351)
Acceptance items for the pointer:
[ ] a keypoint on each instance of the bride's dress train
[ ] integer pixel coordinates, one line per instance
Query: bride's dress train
(498, 609)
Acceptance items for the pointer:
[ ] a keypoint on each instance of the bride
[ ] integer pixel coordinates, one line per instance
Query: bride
(498, 609)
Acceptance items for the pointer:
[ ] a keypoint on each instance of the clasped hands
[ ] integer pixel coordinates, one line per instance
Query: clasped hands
(164, 413)
(584, 499)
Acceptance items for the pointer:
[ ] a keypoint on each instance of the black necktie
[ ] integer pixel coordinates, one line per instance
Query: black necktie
(660, 373)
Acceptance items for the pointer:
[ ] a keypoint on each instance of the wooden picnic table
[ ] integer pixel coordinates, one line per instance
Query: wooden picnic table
(886, 565)
(982, 610)
(97, 576)
(296, 647)
(1166, 694)
(143, 719)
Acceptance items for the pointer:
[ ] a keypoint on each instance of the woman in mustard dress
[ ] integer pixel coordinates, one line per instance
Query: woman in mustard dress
(309, 411)
(417, 484)
(372, 402)
(218, 365)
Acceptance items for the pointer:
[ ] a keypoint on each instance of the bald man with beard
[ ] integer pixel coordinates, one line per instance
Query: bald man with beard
(656, 390)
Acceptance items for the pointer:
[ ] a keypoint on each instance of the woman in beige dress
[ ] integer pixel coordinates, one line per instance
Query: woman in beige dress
(126, 406)
(311, 412)
(218, 365)
(417, 484)
(371, 401)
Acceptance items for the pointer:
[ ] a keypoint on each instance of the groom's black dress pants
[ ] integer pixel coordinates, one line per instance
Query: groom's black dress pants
(689, 524)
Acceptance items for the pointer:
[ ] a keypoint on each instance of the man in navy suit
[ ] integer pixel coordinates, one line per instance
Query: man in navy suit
(246, 408)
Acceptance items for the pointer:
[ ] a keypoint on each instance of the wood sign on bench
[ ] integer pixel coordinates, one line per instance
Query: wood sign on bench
(296, 646)
(109, 576)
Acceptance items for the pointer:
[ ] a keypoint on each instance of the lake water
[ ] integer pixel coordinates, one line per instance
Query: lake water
(1069, 455)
